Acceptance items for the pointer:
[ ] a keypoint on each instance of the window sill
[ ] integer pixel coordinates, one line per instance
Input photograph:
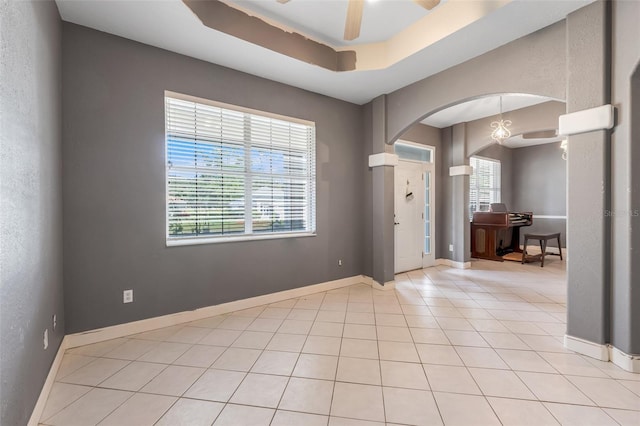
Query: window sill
(254, 237)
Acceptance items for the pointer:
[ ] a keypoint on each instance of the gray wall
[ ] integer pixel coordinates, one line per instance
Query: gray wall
(31, 207)
(588, 177)
(625, 180)
(367, 218)
(535, 65)
(382, 205)
(445, 203)
(461, 231)
(114, 187)
(539, 176)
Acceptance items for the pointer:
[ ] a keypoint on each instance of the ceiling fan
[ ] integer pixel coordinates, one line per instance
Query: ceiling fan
(354, 15)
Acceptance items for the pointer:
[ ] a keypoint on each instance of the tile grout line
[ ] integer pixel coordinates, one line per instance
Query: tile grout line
(296, 363)
(451, 288)
(422, 365)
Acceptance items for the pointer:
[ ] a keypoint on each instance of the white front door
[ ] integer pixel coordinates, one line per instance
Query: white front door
(409, 215)
(414, 215)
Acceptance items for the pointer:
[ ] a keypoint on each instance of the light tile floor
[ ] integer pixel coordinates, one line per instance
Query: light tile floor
(458, 347)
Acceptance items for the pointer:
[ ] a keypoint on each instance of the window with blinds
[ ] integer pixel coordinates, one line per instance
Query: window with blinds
(234, 173)
(484, 186)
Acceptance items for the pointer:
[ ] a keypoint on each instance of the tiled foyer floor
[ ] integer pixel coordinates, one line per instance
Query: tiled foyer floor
(455, 347)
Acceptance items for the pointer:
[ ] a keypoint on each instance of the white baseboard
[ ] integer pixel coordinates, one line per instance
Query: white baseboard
(630, 363)
(389, 285)
(34, 420)
(453, 263)
(127, 329)
(585, 347)
(135, 327)
(625, 361)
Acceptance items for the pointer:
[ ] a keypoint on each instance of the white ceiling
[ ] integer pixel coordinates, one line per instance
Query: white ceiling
(170, 25)
(481, 108)
(324, 20)
(519, 142)
(487, 107)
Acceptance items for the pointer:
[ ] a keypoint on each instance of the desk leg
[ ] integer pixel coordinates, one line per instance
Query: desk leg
(543, 247)
(524, 251)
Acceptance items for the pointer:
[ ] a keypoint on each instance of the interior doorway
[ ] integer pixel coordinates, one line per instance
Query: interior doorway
(414, 207)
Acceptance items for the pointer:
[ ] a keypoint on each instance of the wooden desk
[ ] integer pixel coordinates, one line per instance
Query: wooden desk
(542, 238)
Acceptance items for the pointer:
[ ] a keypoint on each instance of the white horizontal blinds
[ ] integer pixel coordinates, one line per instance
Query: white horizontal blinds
(282, 169)
(232, 172)
(484, 187)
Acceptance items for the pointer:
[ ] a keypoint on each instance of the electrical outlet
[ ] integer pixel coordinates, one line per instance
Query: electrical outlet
(339, 262)
(450, 247)
(127, 296)
(46, 338)
(54, 320)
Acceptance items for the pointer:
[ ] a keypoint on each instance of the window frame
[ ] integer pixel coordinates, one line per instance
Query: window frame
(497, 190)
(172, 241)
(429, 148)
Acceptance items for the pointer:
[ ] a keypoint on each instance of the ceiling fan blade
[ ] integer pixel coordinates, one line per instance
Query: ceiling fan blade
(427, 4)
(354, 19)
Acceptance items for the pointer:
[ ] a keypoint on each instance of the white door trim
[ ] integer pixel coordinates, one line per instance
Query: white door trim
(430, 260)
(425, 167)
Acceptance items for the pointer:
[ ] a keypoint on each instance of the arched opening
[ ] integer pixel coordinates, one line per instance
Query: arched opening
(532, 172)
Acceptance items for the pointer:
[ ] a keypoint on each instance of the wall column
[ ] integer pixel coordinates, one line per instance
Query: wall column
(382, 162)
(625, 185)
(460, 196)
(588, 195)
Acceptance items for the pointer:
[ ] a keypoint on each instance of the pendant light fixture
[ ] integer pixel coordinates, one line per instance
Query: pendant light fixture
(500, 128)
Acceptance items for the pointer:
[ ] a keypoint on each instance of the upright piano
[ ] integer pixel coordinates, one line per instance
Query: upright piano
(495, 236)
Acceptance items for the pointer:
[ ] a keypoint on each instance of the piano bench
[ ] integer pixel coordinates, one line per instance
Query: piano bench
(542, 239)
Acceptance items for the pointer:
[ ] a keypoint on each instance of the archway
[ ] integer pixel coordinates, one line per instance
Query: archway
(465, 128)
(535, 64)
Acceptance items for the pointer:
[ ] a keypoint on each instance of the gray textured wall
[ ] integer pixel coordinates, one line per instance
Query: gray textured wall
(114, 187)
(460, 229)
(382, 228)
(539, 176)
(31, 207)
(535, 64)
(367, 219)
(444, 202)
(625, 180)
(588, 174)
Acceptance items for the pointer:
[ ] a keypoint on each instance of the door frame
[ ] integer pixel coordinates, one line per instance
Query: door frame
(427, 261)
